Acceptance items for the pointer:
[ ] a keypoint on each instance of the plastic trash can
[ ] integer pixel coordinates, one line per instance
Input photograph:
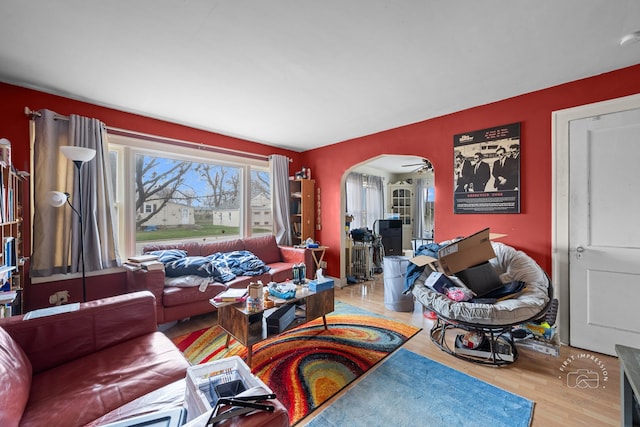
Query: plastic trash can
(395, 270)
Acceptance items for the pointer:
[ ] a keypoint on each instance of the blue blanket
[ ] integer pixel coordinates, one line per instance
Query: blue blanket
(238, 263)
(414, 271)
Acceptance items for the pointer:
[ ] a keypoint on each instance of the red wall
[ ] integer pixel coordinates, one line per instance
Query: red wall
(14, 125)
(433, 139)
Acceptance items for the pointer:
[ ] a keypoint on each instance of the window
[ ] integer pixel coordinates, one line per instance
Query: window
(166, 193)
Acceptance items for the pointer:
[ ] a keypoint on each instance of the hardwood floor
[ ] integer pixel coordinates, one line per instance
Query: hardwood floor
(548, 381)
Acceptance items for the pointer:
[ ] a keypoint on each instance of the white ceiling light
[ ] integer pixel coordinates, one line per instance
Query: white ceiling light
(630, 39)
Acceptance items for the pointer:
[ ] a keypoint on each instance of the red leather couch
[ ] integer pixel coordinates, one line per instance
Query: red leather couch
(70, 369)
(102, 363)
(179, 300)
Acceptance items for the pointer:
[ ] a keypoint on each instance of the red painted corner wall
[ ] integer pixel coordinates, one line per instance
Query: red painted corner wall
(529, 230)
(14, 125)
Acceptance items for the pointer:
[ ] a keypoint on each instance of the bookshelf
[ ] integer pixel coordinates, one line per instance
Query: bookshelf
(302, 210)
(11, 274)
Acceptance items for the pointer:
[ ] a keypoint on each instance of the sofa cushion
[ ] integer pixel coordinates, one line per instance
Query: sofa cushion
(264, 247)
(80, 391)
(196, 265)
(174, 296)
(281, 271)
(15, 371)
(191, 248)
(209, 248)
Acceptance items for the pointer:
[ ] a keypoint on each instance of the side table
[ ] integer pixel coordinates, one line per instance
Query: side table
(629, 384)
(318, 255)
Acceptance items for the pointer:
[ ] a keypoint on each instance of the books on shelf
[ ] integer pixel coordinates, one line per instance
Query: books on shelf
(133, 266)
(152, 265)
(7, 297)
(232, 295)
(10, 252)
(502, 350)
(143, 262)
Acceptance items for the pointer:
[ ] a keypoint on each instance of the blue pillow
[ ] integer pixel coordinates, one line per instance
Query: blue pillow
(197, 265)
(168, 255)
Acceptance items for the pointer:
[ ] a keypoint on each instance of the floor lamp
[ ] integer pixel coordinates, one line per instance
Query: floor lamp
(79, 156)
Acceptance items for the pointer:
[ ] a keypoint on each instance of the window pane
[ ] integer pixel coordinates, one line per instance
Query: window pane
(261, 215)
(180, 200)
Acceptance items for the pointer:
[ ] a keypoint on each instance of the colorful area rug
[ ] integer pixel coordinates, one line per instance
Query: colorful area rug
(410, 390)
(308, 364)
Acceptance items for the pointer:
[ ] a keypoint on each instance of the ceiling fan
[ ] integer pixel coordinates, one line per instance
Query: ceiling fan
(422, 167)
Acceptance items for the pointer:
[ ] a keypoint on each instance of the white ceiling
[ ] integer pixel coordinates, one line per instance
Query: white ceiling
(304, 74)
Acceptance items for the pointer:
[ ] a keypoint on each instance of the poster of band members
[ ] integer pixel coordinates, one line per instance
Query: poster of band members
(487, 170)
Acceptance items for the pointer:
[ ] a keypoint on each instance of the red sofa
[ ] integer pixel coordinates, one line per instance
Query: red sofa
(102, 363)
(72, 368)
(176, 301)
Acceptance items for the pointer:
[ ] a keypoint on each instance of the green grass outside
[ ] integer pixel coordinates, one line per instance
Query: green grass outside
(201, 230)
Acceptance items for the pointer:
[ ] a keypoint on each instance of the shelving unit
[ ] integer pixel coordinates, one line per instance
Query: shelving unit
(302, 210)
(11, 234)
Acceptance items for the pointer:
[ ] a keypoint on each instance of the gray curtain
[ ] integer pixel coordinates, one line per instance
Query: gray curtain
(279, 168)
(374, 200)
(419, 227)
(354, 189)
(56, 231)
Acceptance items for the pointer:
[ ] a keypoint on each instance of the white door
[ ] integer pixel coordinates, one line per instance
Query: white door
(604, 231)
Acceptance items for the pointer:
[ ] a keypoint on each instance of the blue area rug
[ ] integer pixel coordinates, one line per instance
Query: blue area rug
(410, 390)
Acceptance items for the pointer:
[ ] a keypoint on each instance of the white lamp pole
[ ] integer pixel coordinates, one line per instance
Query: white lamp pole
(79, 156)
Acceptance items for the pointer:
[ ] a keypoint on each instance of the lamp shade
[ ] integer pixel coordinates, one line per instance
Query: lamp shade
(81, 154)
(57, 198)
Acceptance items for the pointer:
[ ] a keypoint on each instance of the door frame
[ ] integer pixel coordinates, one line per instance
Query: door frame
(560, 198)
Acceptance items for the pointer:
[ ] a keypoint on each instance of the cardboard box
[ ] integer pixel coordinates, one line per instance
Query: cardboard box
(465, 253)
(457, 256)
(281, 318)
(471, 253)
(320, 284)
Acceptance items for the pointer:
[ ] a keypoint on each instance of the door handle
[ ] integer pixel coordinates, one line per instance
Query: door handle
(579, 249)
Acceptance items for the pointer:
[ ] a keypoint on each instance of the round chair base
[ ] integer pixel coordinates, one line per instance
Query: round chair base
(498, 349)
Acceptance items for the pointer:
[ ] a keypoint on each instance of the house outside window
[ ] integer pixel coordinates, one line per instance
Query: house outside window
(165, 193)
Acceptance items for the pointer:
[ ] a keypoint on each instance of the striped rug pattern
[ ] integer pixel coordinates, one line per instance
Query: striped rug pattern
(308, 365)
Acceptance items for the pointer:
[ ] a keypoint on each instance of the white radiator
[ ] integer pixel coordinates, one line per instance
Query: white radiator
(362, 261)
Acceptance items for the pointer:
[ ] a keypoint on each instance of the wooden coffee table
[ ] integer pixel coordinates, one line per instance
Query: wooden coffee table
(236, 321)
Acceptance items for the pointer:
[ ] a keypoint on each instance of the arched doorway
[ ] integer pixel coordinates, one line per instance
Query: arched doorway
(413, 173)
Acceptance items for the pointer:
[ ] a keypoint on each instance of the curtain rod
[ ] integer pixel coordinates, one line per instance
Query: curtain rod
(164, 140)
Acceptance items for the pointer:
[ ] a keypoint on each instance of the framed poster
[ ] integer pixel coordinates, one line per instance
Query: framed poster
(487, 170)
